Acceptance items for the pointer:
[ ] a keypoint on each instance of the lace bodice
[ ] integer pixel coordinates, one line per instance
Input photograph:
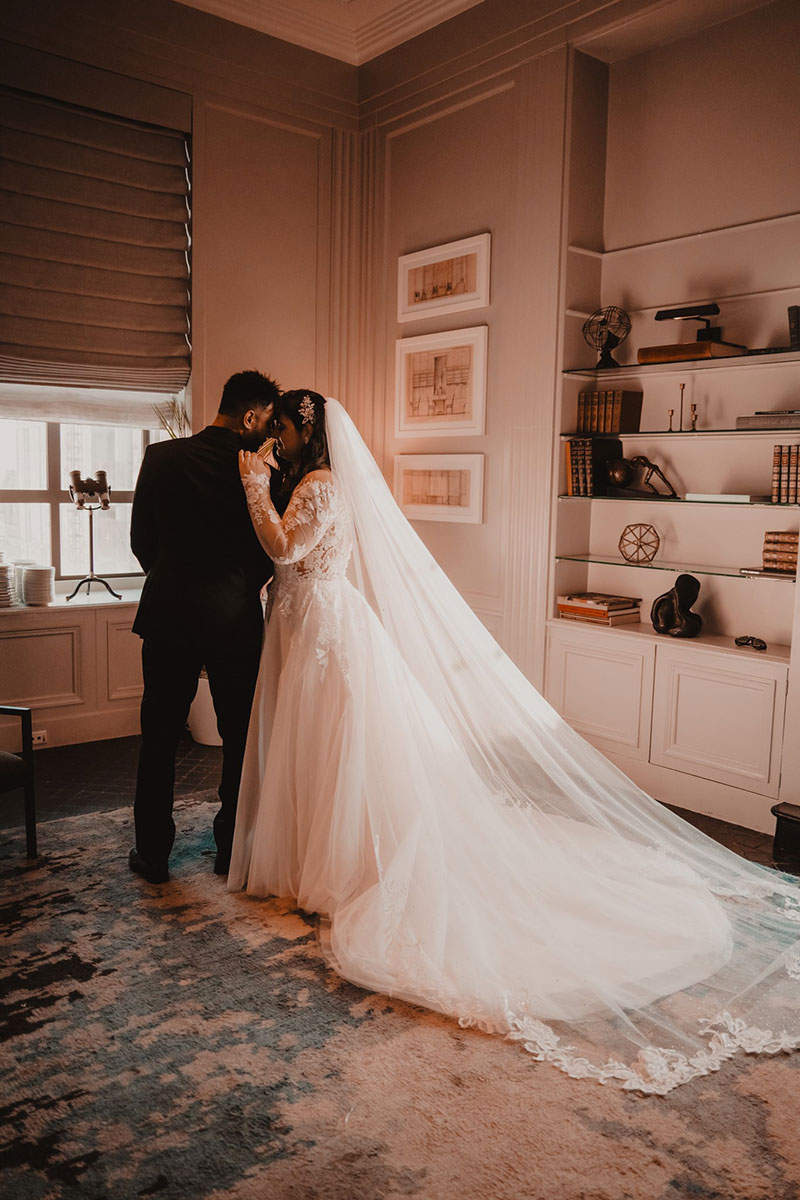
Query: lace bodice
(314, 539)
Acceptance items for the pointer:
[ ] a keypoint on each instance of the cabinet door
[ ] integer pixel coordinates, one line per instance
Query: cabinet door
(719, 719)
(602, 685)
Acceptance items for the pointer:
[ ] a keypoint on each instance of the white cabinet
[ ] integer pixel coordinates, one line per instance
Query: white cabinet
(603, 686)
(719, 719)
(76, 664)
(695, 723)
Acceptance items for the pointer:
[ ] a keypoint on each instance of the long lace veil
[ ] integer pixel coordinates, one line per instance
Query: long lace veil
(583, 873)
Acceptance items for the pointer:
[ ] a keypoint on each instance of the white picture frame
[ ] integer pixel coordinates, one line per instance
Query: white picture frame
(440, 384)
(449, 278)
(440, 487)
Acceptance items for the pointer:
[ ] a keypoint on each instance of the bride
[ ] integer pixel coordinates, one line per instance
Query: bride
(465, 849)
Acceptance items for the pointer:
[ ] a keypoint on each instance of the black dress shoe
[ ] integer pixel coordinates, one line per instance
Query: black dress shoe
(152, 874)
(222, 863)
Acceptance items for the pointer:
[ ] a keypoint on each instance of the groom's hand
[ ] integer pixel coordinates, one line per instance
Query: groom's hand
(251, 464)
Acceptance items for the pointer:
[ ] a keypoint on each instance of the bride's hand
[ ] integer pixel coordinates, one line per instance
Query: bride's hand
(251, 464)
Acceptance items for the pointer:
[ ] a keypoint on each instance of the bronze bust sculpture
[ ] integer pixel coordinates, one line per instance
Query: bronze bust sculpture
(671, 612)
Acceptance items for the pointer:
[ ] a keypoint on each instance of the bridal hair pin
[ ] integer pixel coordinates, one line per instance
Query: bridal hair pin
(307, 410)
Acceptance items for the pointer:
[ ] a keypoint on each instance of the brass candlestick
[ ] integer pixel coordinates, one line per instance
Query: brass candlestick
(682, 387)
(693, 409)
(671, 414)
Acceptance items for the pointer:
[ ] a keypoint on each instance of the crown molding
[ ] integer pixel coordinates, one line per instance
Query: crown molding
(353, 31)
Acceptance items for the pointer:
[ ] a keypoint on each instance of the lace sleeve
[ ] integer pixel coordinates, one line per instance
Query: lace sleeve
(307, 516)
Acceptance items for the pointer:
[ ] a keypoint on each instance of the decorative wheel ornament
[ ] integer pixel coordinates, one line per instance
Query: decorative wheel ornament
(639, 543)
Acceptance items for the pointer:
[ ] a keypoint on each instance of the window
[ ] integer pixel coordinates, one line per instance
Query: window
(37, 520)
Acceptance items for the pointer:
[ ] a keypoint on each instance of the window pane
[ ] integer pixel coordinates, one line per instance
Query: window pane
(23, 455)
(115, 449)
(112, 553)
(25, 532)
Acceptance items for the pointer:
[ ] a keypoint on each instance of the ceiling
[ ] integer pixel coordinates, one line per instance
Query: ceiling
(355, 31)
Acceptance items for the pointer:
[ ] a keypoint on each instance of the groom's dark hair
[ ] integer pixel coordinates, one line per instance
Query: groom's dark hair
(247, 389)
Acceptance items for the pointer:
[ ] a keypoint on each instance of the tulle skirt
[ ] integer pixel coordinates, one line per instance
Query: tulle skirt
(359, 803)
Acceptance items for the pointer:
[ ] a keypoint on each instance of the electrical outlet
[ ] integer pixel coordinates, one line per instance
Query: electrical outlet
(40, 737)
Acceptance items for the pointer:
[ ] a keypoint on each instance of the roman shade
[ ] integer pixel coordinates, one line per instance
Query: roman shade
(94, 248)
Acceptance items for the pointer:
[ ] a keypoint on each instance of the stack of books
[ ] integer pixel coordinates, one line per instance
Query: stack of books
(599, 608)
(785, 460)
(609, 412)
(780, 551)
(586, 464)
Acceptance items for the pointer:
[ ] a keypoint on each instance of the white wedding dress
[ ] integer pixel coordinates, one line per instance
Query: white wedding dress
(466, 849)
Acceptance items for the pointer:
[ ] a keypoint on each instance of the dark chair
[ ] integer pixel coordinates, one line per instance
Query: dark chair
(16, 771)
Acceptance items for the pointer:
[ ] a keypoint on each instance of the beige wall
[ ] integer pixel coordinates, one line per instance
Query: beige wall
(260, 211)
(703, 132)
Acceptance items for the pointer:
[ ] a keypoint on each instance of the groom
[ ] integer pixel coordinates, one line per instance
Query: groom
(200, 607)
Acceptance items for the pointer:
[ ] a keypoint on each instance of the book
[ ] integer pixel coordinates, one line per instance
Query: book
(580, 452)
(570, 469)
(794, 326)
(793, 474)
(726, 498)
(585, 462)
(626, 412)
(776, 475)
(606, 402)
(629, 618)
(598, 600)
(776, 420)
(595, 614)
(594, 410)
(781, 537)
(610, 411)
(686, 351)
(622, 605)
(785, 474)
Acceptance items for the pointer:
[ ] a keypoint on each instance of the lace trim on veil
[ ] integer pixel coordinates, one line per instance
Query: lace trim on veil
(657, 1070)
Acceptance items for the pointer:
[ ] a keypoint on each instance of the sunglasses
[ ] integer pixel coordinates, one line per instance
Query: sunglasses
(746, 640)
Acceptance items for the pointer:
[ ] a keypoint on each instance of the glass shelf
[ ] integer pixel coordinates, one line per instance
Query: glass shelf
(661, 500)
(689, 365)
(687, 433)
(611, 560)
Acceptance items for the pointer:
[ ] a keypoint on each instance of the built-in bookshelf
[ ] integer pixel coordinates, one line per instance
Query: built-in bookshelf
(698, 722)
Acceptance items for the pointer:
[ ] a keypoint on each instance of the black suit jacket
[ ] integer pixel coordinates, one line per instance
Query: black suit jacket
(191, 531)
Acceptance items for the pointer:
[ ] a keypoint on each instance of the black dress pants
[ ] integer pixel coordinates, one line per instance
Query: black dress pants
(170, 674)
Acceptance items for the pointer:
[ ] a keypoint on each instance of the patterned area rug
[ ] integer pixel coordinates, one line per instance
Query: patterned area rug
(177, 1041)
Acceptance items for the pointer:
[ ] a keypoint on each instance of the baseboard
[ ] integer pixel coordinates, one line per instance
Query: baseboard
(67, 729)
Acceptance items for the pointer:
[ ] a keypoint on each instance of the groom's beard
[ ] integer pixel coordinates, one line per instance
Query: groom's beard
(251, 441)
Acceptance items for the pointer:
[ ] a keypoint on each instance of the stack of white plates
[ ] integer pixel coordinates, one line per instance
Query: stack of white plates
(20, 565)
(38, 584)
(7, 589)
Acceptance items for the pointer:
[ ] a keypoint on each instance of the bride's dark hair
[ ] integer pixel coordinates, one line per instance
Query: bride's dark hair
(296, 405)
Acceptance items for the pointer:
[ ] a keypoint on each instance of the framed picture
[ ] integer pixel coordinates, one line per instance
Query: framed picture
(441, 384)
(449, 278)
(440, 487)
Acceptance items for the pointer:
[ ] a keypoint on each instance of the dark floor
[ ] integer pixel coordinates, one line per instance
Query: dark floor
(98, 776)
